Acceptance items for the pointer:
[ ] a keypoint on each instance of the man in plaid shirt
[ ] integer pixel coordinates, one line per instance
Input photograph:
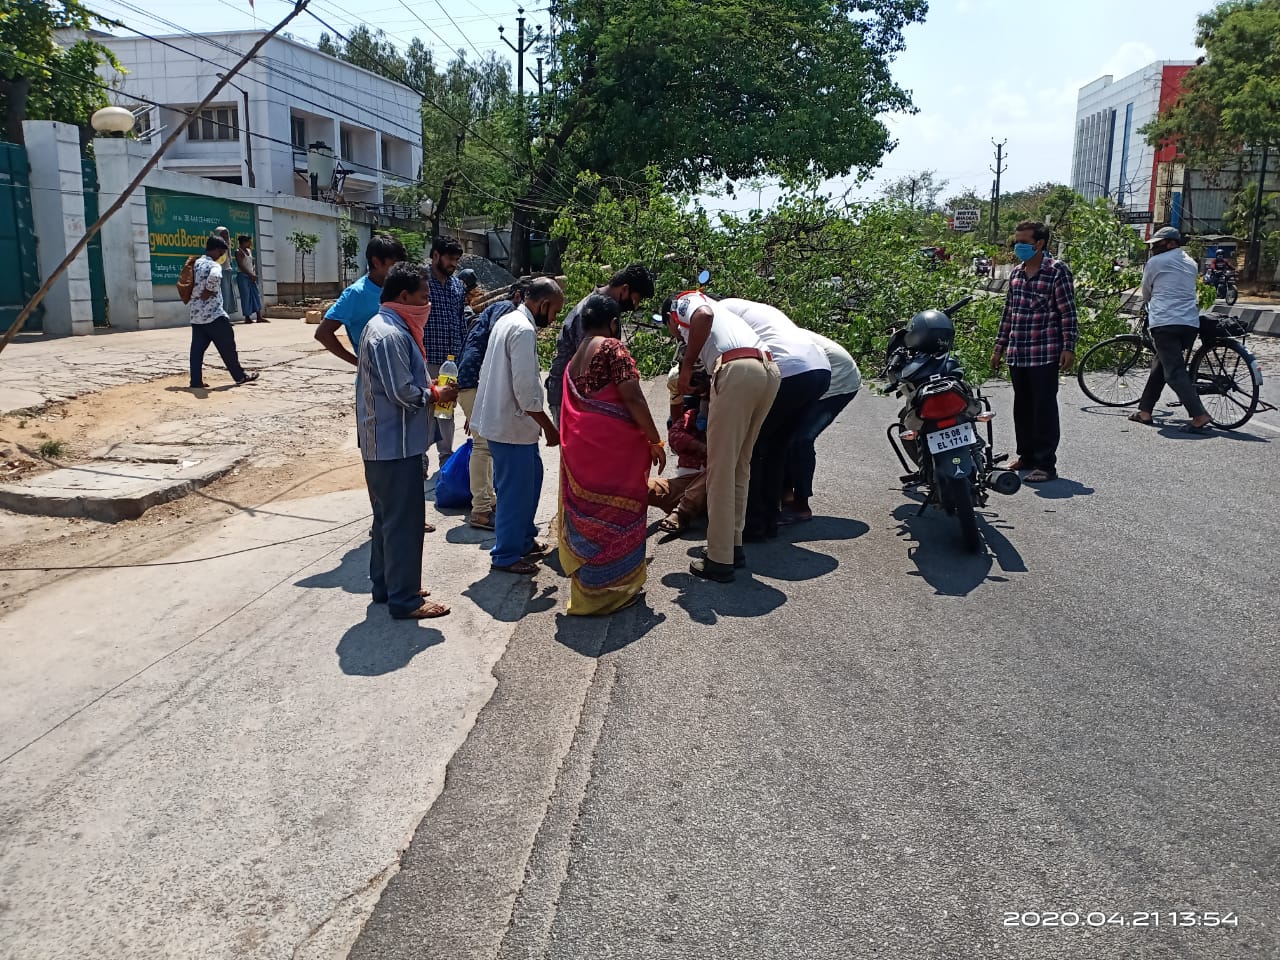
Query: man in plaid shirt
(1038, 334)
(445, 332)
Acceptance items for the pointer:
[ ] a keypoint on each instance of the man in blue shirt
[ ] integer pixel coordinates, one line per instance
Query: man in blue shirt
(361, 300)
(483, 499)
(393, 408)
(447, 331)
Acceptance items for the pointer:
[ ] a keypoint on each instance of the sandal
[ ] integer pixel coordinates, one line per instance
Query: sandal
(1190, 427)
(1039, 476)
(482, 521)
(428, 611)
(538, 550)
(673, 522)
(1148, 420)
(248, 378)
(521, 567)
(428, 528)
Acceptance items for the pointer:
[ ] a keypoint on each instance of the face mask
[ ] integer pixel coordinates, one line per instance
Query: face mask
(1024, 251)
(541, 319)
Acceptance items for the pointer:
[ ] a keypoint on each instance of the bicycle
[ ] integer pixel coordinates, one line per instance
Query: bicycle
(1225, 373)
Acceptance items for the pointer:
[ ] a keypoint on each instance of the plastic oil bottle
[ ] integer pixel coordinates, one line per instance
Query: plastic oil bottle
(448, 377)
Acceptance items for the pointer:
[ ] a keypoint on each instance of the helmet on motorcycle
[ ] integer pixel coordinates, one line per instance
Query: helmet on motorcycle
(930, 331)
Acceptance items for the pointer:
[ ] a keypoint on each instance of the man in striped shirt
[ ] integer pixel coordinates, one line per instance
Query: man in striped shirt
(1037, 338)
(393, 410)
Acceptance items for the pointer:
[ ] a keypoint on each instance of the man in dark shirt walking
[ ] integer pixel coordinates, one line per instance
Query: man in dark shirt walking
(1037, 338)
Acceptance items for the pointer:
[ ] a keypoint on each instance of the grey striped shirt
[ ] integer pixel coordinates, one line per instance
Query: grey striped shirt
(393, 401)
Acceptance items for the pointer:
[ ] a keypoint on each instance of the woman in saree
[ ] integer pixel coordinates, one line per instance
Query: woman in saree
(607, 443)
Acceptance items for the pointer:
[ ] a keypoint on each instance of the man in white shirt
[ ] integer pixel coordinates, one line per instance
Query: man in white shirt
(744, 382)
(802, 458)
(1173, 315)
(209, 321)
(806, 375)
(508, 413)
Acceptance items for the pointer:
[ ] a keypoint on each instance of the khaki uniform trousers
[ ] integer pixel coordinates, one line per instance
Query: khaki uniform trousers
(742, 392)
(483, 498)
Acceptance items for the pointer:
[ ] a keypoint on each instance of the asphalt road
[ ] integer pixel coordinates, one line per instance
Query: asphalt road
(876, 745)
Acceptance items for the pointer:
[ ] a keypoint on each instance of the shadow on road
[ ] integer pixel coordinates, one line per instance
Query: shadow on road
(1060, 489)
(706, 602)
(507, 597)
(351, 574)
(1175, 432)
(381, 645)
(601, 636)
(935, 548)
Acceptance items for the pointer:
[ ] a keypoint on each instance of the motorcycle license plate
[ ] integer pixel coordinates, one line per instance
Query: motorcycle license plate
(952, 438)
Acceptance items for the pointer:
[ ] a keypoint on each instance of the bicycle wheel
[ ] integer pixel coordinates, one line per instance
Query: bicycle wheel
(1228, 381)
(1114, 372)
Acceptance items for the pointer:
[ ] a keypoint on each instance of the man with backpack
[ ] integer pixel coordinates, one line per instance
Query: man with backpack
(209, 320)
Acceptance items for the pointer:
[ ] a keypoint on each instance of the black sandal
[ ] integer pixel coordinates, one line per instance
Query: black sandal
(1148, 420)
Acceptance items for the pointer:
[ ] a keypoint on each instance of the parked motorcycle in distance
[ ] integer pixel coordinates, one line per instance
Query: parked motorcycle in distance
(935, 438)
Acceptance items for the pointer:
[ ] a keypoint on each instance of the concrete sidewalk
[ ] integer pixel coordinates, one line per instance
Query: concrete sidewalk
(36, 372)
(224, 758)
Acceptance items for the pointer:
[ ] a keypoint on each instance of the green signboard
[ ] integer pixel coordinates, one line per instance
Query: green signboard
(179, 224)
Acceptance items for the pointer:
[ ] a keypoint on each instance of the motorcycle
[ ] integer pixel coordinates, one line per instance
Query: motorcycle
(1224, 281)
(936, 438)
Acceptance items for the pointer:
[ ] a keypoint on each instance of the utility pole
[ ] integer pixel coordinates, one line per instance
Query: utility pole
(998, 169)
(1254, 264)
(912, 202)
(538, 79)
(519, 256)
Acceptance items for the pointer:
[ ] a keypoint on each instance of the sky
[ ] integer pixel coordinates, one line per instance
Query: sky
(978, 70)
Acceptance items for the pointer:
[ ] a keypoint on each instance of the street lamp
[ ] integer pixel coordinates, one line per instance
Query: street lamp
(112, 120)
(248, 132)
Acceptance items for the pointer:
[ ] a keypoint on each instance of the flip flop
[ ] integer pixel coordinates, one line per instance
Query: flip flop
(1192, 428)
(248, 378)
(428, 528)
(673, 522)
(1147, 421)
(538, 550)
(428, 611)
(1039, 476)
(521, 567)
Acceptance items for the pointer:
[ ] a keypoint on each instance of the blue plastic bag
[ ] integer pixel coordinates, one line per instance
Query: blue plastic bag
(453, 485)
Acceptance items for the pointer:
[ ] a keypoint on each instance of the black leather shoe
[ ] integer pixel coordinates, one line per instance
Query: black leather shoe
(710, 570)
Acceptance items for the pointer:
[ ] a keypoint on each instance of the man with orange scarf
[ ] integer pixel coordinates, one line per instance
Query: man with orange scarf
(393, 406)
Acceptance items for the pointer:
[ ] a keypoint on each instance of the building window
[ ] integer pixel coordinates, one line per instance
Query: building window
(298, 133)
(344, 139)
(215, 123)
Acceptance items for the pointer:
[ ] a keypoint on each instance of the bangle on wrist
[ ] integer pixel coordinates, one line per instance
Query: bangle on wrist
(657, 443)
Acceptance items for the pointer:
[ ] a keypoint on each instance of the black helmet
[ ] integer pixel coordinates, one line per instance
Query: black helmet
(468, 278)
(930, 331)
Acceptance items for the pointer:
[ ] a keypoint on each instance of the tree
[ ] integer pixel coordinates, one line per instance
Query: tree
(1231, 98)
(917, 190)
(305, 243)
(40, 79)
(720, 90)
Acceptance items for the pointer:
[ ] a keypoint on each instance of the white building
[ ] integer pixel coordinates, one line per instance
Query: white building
(1111, 157)
(257, 132)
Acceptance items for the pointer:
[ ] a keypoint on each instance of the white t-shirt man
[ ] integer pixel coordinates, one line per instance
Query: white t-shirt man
(510, 382)
(1169, 287)
(728, 330)
(207, 275)
(792, 351)
(846, 378)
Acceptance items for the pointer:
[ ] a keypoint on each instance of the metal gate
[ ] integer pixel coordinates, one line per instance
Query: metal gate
(97, 273)
(17, 239)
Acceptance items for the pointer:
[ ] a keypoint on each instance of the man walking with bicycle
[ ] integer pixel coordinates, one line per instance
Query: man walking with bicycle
(1173, 317)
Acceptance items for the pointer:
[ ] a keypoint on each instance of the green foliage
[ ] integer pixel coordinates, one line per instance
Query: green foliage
(348, 249)
(415, 243)
(1237, 219)
(1232, 97)
(305, 244)
(52, 449)
(41, 80)
(853, 273)
(917, 190)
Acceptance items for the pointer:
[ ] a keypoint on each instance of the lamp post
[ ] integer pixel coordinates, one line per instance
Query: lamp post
(115, 120)
(248, 132)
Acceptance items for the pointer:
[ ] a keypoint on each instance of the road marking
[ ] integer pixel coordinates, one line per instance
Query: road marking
(1263, 423)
